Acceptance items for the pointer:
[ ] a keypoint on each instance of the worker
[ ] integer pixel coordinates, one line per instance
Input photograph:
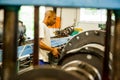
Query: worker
(21, 33)
(44, 38)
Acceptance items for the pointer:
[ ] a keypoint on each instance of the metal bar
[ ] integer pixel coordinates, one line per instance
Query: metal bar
(36, 35)
(116, 48)
(113, 4)
(55, 9)
(107, 47)
(9, 64)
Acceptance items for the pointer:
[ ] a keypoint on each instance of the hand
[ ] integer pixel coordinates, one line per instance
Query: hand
(55, 52)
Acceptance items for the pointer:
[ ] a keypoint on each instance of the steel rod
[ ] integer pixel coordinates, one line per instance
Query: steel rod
(107, 47)
(36, 35)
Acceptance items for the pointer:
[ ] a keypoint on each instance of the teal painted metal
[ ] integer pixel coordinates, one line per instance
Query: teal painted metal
(108, 4)
(117, 13)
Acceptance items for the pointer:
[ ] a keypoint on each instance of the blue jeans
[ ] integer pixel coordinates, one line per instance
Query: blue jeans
(41, 62)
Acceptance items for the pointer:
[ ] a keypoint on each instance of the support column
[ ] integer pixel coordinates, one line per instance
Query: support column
(36, 36)
(116, 48)
(9, 62)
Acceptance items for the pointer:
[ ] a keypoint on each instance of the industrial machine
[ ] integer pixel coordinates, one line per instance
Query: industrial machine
(90, 57)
